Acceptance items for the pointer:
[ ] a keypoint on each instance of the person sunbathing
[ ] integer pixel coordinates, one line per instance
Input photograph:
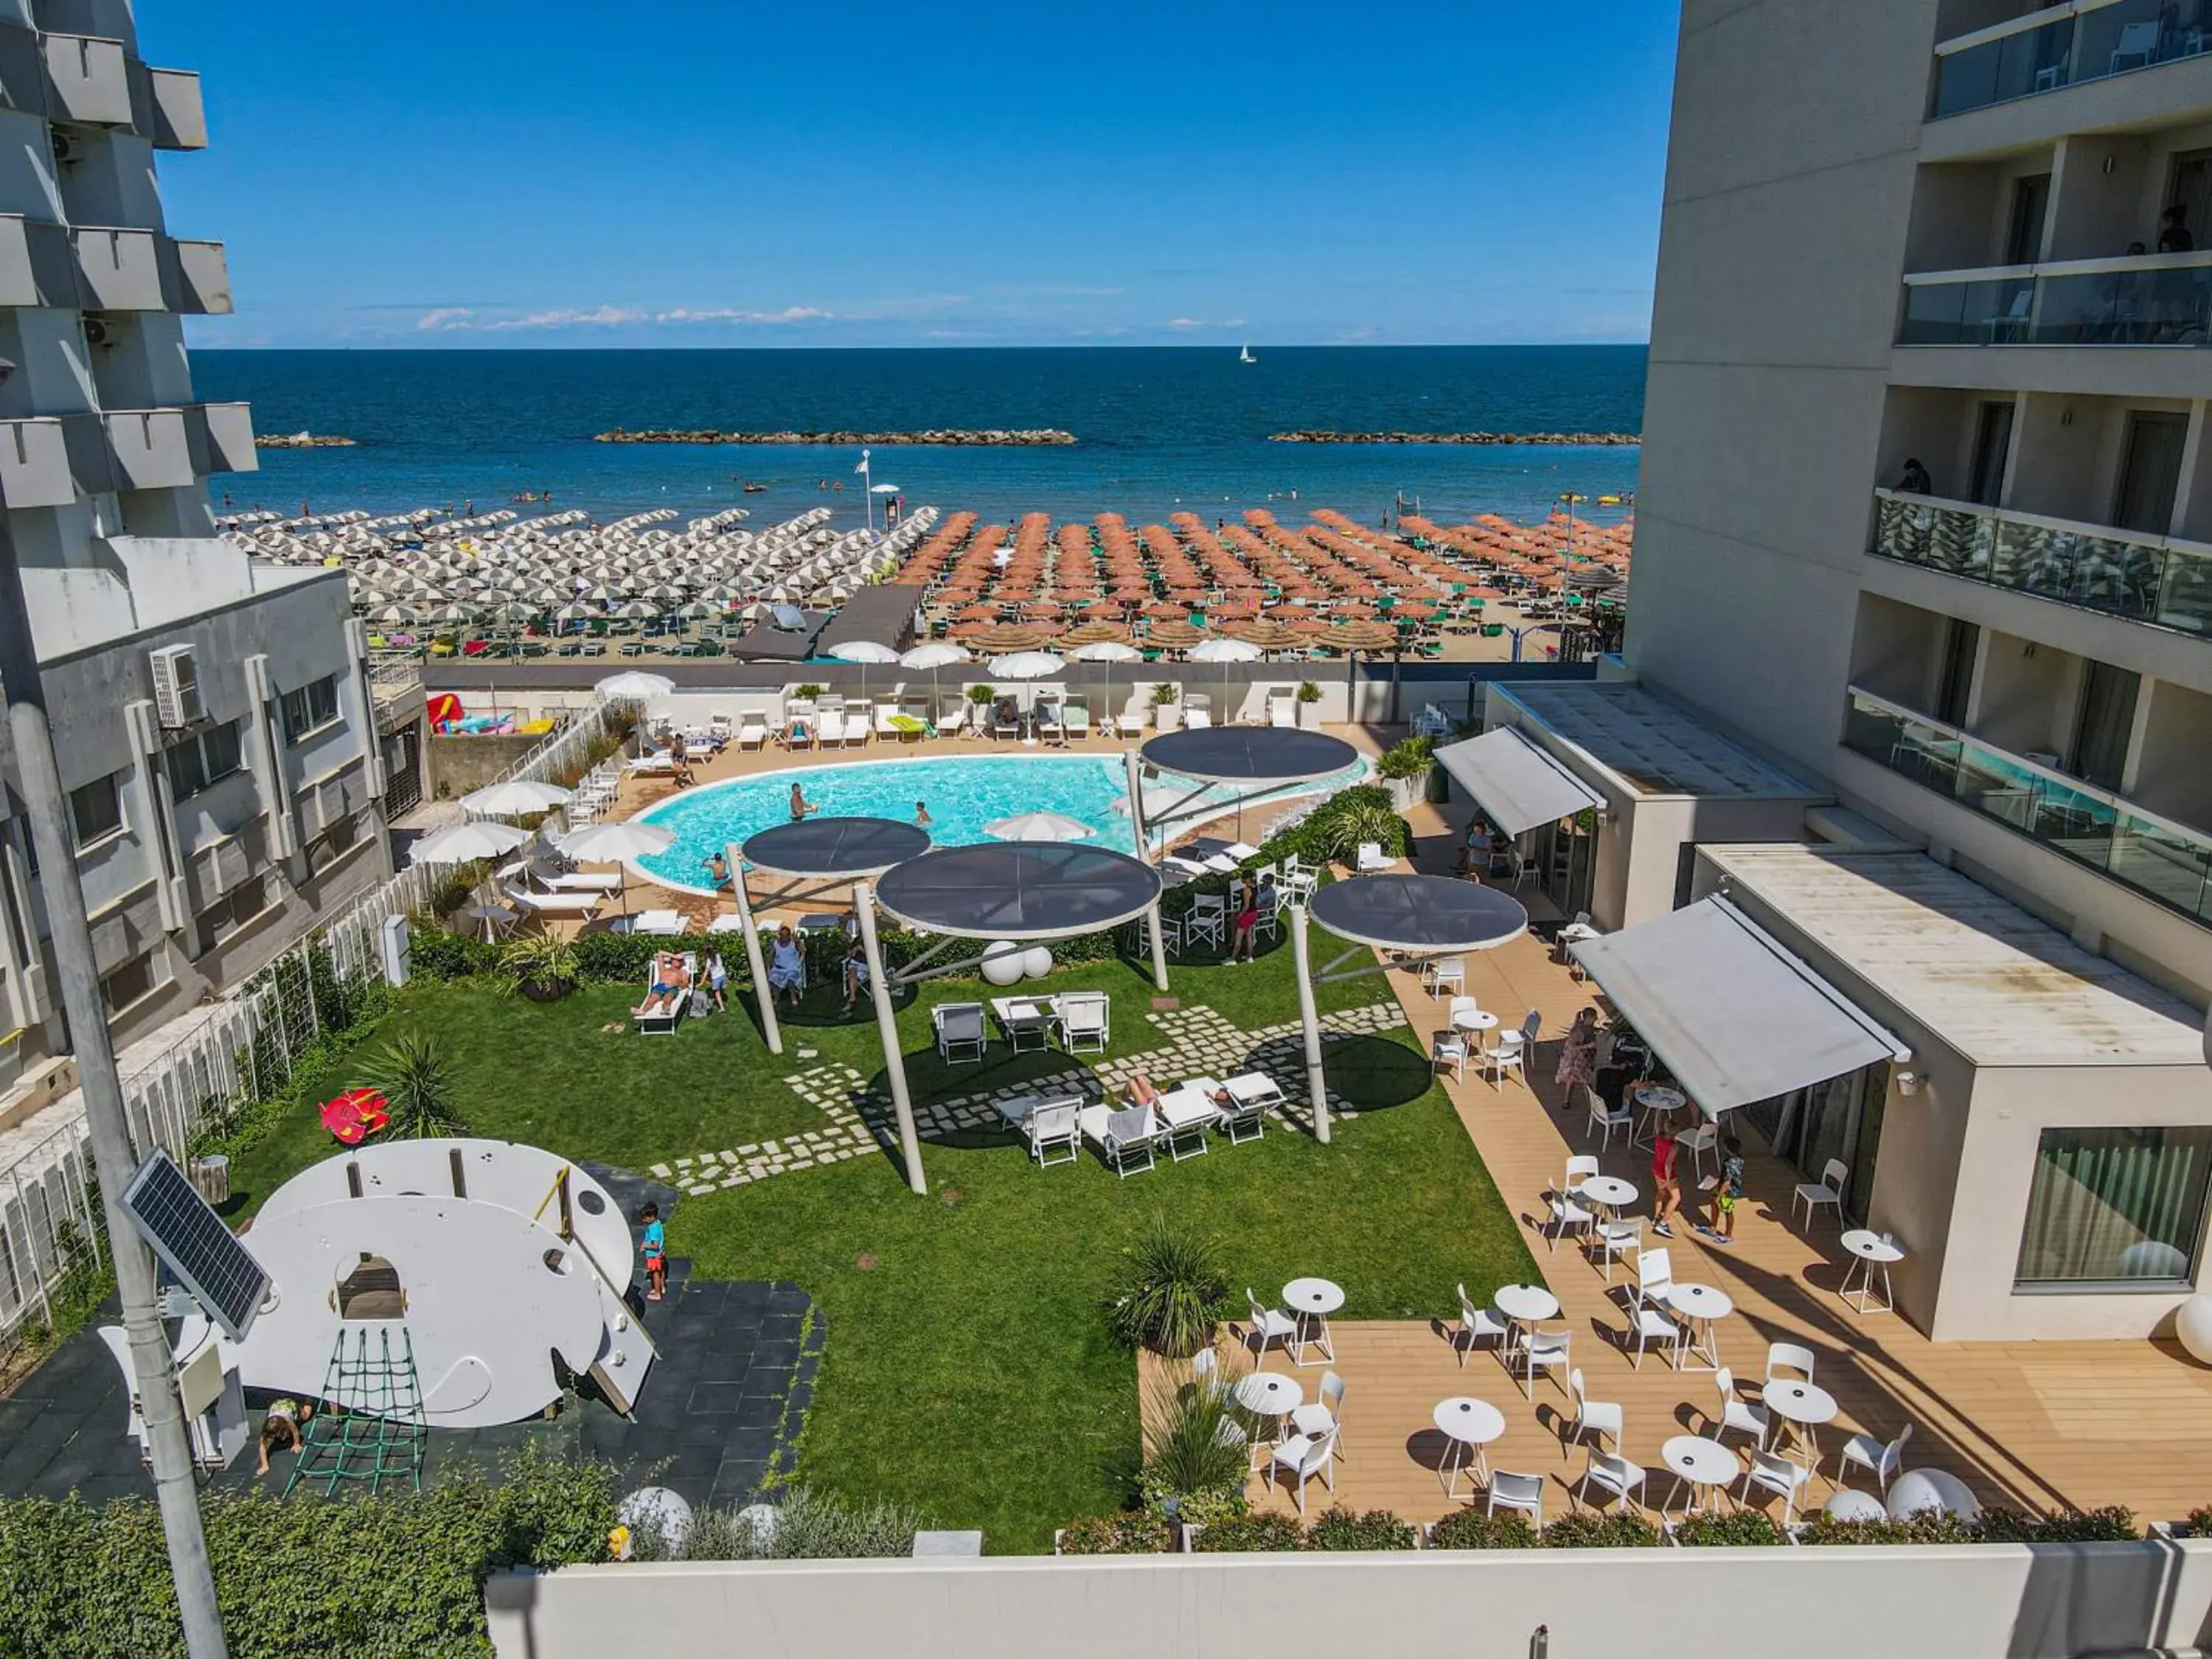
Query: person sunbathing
(671, 980)
(1140, 1091)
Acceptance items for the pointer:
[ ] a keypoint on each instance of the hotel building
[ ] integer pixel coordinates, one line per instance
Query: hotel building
(1934, 754)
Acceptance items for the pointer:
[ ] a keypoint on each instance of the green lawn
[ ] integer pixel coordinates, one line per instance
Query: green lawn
(967, 1368)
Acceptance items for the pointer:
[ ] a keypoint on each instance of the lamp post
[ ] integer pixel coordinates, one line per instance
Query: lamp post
(867, 490)
(77, 968)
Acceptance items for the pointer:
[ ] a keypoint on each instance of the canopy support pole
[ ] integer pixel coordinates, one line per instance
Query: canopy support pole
(864, 908)
(1159, 946)
(1136, 807)
(764, 993)
(1310, 1023)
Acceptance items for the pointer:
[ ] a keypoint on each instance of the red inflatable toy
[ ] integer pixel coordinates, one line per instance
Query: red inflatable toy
(355, 1115)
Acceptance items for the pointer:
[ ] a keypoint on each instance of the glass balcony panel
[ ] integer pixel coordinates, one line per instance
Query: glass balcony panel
(1974, 311)
(2013, 66)
(2134, 34)
(2162, 859)
(2159, 304)
(2184, 593)
(2105, 41)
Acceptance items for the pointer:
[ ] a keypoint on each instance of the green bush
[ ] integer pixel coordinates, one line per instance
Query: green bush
(1737, 1529)
(1196, 1472)
(1623, 1529)
(373, 1577)
(1378, 1530)
(1114, 1534)
(1240, 1534)
(2200, 1522)
(545, 960)
(1928, 1528)
(2112, 1524)
(433, 953)
(1471, 1530)
(1171, 1290)
(616, 959)
(416, 1081)
(1409, 758)
(810, 1526)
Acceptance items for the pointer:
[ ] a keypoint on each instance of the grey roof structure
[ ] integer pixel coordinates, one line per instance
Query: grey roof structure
(1515, 782)
(1419, 913)
(1023, 889)
(1249, 754)
(1654, 747)
(831, 847)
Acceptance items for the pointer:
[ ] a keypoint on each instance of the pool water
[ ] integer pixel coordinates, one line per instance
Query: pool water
(964, 794)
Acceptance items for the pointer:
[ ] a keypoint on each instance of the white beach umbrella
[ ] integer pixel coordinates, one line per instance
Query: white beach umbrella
(1225, 652)
(465, 843)
(1109, 651)
(616, 842)
(634, 685)
(518, 797)
(1026, 665)
(1039, 826)
(863, 651)
(933, 656)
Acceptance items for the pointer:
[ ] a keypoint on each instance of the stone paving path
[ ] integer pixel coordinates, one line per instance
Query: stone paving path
(857, 1120)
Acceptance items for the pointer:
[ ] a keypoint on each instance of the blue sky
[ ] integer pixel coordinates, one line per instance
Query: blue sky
(485, 172)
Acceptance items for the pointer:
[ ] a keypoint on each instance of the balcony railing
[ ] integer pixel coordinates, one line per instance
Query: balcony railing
(2164, 861)
(2157, 298)
(2064, 45)
(2161, 579)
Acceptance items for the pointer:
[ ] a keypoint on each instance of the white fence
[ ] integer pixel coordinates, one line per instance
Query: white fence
(202, 1069)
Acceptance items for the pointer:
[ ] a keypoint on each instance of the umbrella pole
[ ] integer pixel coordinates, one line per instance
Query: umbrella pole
(764, 993)
(864, 911)
(1310, 1023)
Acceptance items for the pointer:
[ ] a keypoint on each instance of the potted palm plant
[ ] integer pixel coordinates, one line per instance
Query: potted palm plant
(543, 965)
(1309, 692)
(1165, 695)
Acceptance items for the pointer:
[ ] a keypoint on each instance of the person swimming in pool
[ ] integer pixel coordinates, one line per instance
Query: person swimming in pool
(921, 814)
(800, 807)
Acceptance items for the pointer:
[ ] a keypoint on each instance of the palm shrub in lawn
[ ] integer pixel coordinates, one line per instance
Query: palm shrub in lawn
(1200, 1455)
(1343, 829)
(417, 1082)
(1171, 1291)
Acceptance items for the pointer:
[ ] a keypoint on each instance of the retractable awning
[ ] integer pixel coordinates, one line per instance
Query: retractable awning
(1516, 783)
(1735, 1017)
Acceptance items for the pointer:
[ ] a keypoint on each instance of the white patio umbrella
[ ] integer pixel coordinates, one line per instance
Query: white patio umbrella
(636, 685)
(1026, 665)
(863, 651)
(933, 656)
(490, 913)
(1039, 826)
(616, 842)
(1109, 651)
(465, 843)
(516, 799)
(1225, 652)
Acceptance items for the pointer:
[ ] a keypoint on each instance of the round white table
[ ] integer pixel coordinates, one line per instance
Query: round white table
(1609, 1192)
(1657, 1101)
(1467, 1423)
(1265, 1394)
(1526, 1304)
(1804, 1407)
(1872, 1251)
(1703, 1466)
(1700, 1306)
(1311, 1302)
(1475, 1019)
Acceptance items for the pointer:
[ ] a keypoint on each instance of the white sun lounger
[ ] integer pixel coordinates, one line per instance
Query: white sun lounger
(666, 923)
(665, 1025)
(584, 906)
(752, 733)
(662, 761)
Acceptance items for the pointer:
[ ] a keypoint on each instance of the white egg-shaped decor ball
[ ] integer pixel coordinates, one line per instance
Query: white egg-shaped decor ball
(1002, 963)
(1919, 1490)
(1036, 961)
(656, 1508)
(2192, 1326)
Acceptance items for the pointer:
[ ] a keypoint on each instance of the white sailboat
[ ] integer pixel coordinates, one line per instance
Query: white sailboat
(1245, 355)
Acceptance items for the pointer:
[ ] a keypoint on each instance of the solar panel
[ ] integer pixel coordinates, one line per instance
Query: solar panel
(195, 1245)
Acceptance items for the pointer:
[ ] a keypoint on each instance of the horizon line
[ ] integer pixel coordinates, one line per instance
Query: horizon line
(958, 345)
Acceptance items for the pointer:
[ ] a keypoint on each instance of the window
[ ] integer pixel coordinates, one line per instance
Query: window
(2105, 724)
(96, 809)
(232, 911)
(2120, 1207)
(2031, 203)
(311, 706)
(206, 757)
(1955, 677)
(124, 985)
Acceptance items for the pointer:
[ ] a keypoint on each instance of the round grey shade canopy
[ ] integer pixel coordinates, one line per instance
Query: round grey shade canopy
(1019, 890)
(1249, 754)
(834, 846)
(1419, 913)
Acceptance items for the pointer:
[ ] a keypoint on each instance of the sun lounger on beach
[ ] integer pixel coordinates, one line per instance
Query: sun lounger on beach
(663, 1022)
(752, 733)
(1045, 721)
(860, 723)
(952, 719)
(831, 728)
(1076, 717)
(1005, 718)
(582, 906)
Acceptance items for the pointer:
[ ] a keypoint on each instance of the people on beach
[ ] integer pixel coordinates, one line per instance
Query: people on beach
(787, 966)
(652, 1247)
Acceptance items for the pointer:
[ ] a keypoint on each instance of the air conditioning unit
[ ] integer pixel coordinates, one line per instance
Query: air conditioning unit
(68, 148)
(96, 329)
(177, 688)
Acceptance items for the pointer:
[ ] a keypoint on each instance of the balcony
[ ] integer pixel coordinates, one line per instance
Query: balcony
(151, 448)
(2160, 579)
(222, 438)
(34, 465)
(199, 279)
(176, 118)
(121, 268)
(2061, 45)
(87, 80)
(37, 267)
(2164, 861)
(2149, 300)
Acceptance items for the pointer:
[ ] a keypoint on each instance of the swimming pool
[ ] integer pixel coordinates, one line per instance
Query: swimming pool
(963, 794)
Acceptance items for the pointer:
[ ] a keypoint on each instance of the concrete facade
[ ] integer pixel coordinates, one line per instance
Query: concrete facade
(208, 841)
(1914, 244)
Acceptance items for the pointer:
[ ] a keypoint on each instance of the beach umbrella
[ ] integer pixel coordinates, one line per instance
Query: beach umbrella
(1039, 826)
(616, 842)
(1026, 665)
(1173, 635)
(1225, 652)
(465, 843)
(634, 685)
(518, 798)
(1008, 639)
(1109, 651)
(933, 656)
(863, 651)
(490, 914)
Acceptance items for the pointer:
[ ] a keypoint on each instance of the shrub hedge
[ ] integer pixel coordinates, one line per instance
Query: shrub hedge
(1114, 1534)
(1340, 1529)
(373, 1576)
(1471, 1530)
(1238, 1534)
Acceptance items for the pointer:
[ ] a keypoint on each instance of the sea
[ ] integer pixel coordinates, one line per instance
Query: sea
(1158, 430)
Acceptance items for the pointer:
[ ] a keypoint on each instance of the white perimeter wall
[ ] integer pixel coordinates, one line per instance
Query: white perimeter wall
(2001, 1601)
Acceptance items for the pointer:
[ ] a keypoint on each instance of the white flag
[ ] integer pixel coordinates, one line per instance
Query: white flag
(863, 466)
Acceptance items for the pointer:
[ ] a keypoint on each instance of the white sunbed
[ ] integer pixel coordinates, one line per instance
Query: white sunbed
(1046, 723)
(954, 721)
(662, 761)
(666, 923)
(664, 1023)
(859, 723)
(752, 733)
(1282, 710)
(583, 905)
(1076, 717)
(729, 921)
(831, 728)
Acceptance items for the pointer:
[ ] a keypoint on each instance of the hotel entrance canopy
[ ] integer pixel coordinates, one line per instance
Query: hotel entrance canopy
(1515, 782)
(1734, 1017)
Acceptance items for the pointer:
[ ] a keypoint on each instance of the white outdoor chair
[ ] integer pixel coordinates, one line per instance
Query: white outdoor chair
(1322, 1415)
(1369, 859)
(1445, 971)
(1449, 1048)
(1738, 1415)
(1271, 1325)
(1543, 1351)
(1524, 1492)
(1604, 1118)
(1610, 1472)
(1129, 1141)
(1616, 1240)
(1649, 1315)
(1827, 1190)
(1303, 1456)
(1250, 1095)
(1698, 1143)
(1045, 721)
(1771, 1472)
(1197, 712)
(1052, 1125)
(1477, 1325)
(2138, 41)
(1598, 1417)
(1566, 1210)
(1883, 1458)
(1788, 1361)
(961, 1032)
(1082, 1017)
(1207, 918)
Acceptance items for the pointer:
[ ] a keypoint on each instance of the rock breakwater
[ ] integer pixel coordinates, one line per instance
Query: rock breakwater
(951, 437)
(1323, 435)
(302, 440)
